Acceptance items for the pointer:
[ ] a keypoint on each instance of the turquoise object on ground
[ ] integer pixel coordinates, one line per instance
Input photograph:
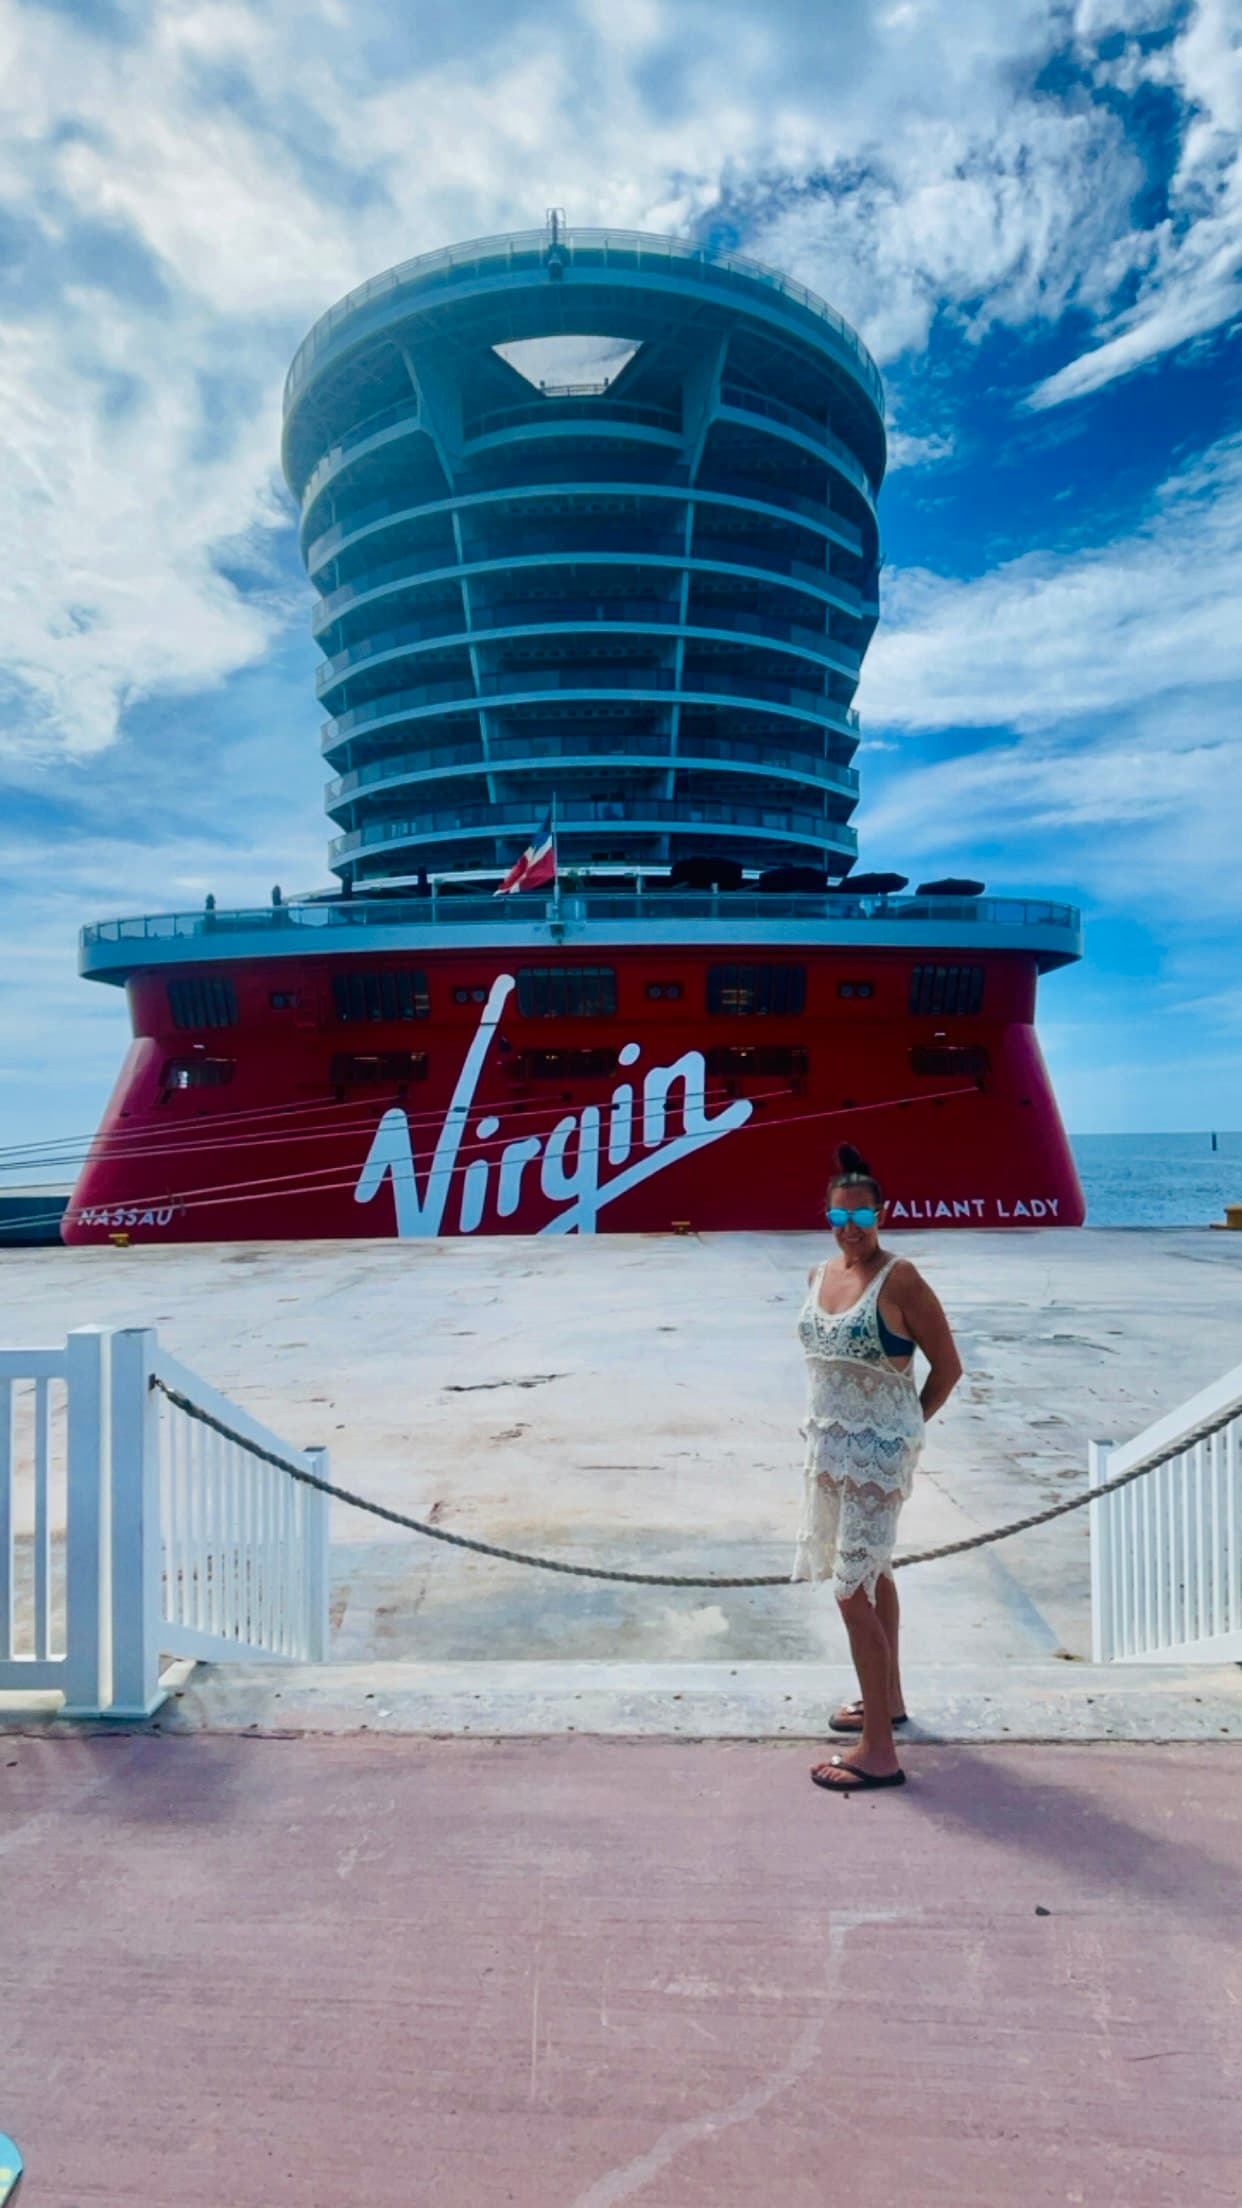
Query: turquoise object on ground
(11, 2167)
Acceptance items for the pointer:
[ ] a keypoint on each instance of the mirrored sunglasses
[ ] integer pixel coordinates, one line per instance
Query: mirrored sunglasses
(865, 1216)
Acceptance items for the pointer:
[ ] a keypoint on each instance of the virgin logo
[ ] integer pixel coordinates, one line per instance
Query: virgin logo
(630, 1135)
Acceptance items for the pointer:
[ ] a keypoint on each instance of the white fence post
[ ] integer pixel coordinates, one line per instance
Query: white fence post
(1102, 1548)
(318, 1578)
(8, 1588)
(88, 1531)
(137, 1558)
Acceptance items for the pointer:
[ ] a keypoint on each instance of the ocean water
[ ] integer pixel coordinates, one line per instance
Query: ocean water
(1158, 1180)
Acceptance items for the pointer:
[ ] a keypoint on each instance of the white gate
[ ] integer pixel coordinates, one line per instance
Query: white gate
(54, 1618)
(1166, 1560)
(142, 1517)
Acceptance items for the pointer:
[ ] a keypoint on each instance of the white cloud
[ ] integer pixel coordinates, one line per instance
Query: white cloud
(1192, 281)
(1046, 639)
(1119, 667)
(1119, 674)
(1003, 216)
(254, 162)
(905, 451)
(119, 517)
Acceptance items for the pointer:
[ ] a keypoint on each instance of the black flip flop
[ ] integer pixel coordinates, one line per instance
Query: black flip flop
(833, 1726)
(858, 1780)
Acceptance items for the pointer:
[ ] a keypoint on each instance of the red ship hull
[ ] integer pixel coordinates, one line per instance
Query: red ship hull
(460, 1110)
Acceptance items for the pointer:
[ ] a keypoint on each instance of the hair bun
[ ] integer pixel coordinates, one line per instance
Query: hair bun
(850, 1160)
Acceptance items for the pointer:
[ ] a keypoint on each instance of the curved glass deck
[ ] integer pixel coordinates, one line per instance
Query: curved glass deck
(647, 596)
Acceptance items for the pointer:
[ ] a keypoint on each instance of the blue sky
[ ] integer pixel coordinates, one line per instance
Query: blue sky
(1032, 212)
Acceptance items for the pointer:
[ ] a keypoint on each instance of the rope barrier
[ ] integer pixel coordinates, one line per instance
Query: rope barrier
(671, 1579)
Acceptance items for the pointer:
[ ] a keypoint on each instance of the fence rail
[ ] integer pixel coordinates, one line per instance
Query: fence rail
(131, 1532)
(1166, 1551)
(28, 1556)
(54, 1628)
(244, 1547)
(216, 1553)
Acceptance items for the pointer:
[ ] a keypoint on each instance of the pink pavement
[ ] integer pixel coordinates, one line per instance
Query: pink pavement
(574, 1973)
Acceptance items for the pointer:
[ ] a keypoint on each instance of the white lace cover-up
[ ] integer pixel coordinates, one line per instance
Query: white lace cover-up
(864, 1432)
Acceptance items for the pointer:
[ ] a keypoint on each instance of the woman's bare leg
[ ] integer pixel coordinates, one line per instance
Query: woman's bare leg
(888, 1611)
(876, 1751)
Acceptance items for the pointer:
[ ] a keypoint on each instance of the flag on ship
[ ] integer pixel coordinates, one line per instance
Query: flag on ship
(537, 865)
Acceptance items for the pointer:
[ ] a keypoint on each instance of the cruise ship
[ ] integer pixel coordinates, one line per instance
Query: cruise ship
(590, 518)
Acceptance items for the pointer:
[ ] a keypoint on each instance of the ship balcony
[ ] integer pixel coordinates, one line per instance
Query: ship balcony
(494, 693)
(780, 472)
(543, 757)
(537, 430)
(572, 410)
(814, 435)
(390, 425)
(355, 468)
(739, 496)
(743, 497)
(779, 826)
(379, 654)
(440, 585)
(470, 508)
(582, 622)
(430, 557)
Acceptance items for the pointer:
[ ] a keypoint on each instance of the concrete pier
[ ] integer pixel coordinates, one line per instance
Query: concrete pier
(634, 1401)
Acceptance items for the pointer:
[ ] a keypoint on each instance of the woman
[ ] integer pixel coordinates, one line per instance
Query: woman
(865, 1314)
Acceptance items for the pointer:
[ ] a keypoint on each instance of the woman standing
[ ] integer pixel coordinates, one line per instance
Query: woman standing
(865, 1314)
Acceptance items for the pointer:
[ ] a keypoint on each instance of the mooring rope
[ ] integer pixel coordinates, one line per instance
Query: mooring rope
(668, 1579)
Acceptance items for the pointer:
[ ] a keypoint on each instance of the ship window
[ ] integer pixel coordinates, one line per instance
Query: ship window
(946, 988)
(943, 1058)
(203, 1000)
(756, 989)
(400, 996)
(557, 1065)
(283, 1000)
(729, 1063)
(670, 991)
(470, 996)
(196, 1073)
(367, 1068)
(855, 988)
(579, 991)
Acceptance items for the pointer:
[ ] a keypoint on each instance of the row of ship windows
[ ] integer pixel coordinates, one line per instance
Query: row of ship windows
(388, 1068)
(575, 992)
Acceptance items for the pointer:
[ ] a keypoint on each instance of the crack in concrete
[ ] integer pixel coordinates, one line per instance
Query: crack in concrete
(623, 2183)
(478, 1387)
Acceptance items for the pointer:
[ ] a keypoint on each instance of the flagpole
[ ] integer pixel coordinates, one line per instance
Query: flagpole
(556, 867)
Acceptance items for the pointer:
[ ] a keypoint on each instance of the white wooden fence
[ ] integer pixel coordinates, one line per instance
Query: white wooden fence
(54, 1520)
(1166, 1560)
(178, 1541)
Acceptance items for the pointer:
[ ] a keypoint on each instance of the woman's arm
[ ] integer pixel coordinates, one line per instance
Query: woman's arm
(927, 1326)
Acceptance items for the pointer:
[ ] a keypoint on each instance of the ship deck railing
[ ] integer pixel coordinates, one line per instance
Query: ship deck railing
(455, 910)
(585, 250)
